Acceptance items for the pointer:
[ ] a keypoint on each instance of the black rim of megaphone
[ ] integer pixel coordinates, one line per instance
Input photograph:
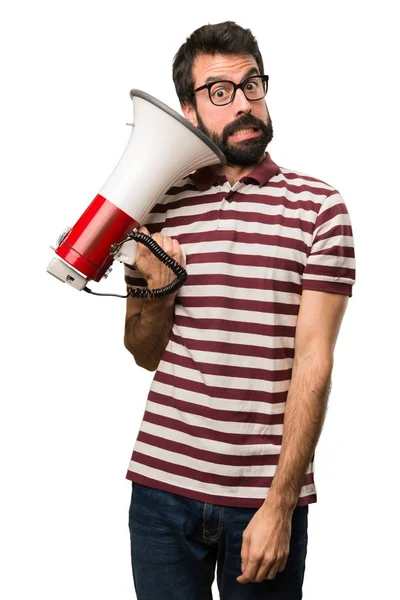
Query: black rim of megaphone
(182, 120)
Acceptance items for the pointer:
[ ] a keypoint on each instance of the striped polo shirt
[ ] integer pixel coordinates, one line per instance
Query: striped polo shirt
(213, 421)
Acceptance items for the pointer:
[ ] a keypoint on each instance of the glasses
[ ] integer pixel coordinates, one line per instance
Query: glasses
(223, 92)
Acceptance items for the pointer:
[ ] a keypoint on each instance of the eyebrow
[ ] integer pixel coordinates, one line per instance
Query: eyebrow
(212, 79)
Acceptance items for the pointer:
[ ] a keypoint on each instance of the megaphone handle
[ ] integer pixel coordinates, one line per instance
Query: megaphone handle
(173, 265)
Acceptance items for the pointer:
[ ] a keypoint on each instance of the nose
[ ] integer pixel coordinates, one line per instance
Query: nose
(241, 104)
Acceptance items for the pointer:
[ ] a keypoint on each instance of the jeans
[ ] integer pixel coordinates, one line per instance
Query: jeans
(176, 543)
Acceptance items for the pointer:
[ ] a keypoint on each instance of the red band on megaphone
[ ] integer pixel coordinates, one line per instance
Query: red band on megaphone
(87, 245)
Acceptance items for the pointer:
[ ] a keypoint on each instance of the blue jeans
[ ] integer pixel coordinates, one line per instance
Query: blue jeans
(176, 543)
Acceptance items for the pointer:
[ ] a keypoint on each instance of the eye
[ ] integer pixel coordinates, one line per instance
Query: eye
(253, 85)
(221, 92)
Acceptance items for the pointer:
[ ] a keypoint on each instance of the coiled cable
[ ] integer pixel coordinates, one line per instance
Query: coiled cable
(173, 265)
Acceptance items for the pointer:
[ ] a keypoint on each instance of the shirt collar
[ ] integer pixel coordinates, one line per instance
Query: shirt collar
(205, 178)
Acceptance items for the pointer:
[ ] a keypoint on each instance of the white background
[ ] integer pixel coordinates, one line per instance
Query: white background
(72, 397)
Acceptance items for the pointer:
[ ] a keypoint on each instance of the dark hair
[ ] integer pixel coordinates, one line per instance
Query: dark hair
(222, 38)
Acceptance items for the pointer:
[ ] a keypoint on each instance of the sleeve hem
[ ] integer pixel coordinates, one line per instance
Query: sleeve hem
(330, 287)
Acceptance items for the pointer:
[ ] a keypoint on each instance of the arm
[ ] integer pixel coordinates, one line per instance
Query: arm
(318, 325)
(148, 322)
(266, 540)
(330, 267)
(148, 326)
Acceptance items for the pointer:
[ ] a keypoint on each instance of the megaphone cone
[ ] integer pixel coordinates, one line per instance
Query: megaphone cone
(163, 148)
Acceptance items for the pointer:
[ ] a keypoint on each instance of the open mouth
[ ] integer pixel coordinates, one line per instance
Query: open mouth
(245, 133)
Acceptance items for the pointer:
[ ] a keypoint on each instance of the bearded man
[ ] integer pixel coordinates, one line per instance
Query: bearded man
(223, 467)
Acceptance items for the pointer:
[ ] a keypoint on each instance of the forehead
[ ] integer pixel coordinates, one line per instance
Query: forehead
(222, 66)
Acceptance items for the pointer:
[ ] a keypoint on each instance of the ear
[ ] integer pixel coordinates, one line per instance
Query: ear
(189, 113)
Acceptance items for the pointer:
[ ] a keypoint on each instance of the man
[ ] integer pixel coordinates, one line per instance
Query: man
(222, 469)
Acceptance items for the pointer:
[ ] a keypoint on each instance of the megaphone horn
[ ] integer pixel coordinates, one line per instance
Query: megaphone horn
(162, 149)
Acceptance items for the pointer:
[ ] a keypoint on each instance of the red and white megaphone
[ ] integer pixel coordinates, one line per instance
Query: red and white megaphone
(163, 148)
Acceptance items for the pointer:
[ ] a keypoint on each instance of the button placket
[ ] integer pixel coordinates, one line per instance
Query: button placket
(227, 204)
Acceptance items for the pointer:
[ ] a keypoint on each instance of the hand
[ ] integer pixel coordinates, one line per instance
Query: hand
(265, 544)
(155, 272)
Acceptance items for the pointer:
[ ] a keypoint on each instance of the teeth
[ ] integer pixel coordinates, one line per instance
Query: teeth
(244, 131)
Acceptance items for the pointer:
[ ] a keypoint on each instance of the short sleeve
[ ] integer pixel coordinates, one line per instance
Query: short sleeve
(331, 262)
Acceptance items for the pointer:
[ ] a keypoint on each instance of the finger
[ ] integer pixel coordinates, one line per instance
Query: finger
(168, 245)
(271, 572)
(244, 559)
(142, 252)
(250, 571)
(159, 239)
(283, 564)
(177, 252)
(141, 249)
(244, 554)
(275, 567)
(164, 241)
(176, 247)
(144, 229)
(263, 571)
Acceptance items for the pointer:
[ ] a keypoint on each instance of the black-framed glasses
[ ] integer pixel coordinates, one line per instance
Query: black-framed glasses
(223, 92)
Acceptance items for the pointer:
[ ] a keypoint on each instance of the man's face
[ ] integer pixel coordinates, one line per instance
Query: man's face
(241, 129)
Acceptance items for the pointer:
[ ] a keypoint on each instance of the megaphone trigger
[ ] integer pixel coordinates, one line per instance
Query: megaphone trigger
(125, 252)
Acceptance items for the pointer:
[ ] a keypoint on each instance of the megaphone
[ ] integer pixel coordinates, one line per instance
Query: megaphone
(162, 149)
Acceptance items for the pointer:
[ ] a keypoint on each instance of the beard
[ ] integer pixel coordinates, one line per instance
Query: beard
(246, 152)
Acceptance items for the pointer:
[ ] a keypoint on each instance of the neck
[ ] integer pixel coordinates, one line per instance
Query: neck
(235, 172)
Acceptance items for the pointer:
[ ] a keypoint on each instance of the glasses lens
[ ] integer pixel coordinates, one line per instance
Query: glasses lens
(254, 88)
(221, 92)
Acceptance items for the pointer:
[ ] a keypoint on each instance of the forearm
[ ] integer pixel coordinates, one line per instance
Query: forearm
(304, 415)
(147, 334)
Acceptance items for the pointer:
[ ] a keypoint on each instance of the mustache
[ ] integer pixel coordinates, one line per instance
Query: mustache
(243, 122)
